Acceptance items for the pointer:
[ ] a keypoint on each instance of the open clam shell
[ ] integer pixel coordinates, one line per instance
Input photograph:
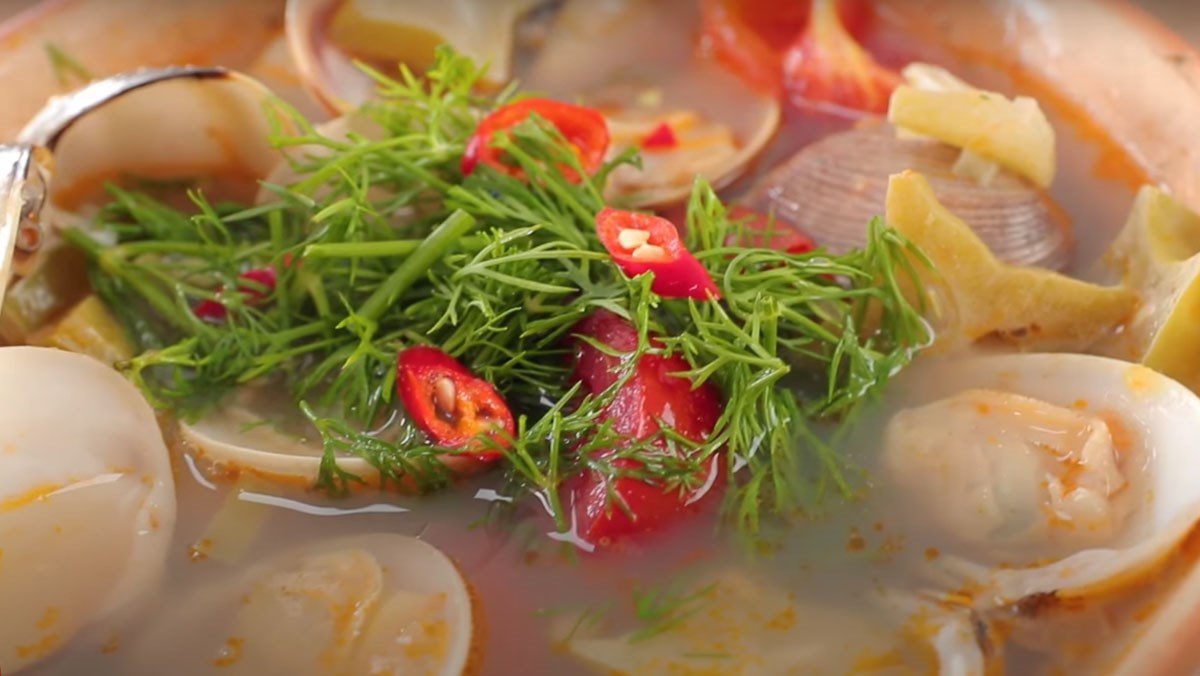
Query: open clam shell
(173, 123)
(1157, 419)
(835, 186)
(616, 57)
(326, 37)
(234, 440)
(101, 37)
(169, 123)
(373, 603)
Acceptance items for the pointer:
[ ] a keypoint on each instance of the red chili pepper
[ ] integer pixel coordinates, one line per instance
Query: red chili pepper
(260, 283)
(643, 243)
(447, 402)
(651, 397)
(584, 128)
(783, 237)
(827, 66)
(661, 138)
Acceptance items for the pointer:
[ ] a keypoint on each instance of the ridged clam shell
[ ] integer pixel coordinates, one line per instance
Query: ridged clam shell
(835, 186)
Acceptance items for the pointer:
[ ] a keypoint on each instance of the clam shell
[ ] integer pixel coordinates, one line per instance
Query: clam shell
(615, 56)
(115, 36)
(373, 603)
(233, 440)
(162, 124)
(1163, 417)
(835, 186)
(482, 30)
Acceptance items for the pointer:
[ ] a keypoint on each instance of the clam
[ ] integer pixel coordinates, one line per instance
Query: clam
(175, 123)
(234, 440)
(182, 123)
(759, 629)
(326, 37)
(833, 187)
(616, 57)
(99, 37)
(379, 603)
(85, 479)
(1051, 479)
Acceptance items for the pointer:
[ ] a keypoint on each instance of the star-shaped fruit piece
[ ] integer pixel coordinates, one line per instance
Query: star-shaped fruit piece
(985, 299)
(1158, 253)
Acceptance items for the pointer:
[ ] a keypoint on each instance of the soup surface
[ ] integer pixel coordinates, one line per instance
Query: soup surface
(652, 419)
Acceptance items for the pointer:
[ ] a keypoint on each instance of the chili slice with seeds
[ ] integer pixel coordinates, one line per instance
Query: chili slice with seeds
(641, 243)
(451, 405)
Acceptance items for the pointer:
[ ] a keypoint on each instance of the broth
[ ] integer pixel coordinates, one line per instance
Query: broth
(858, 564)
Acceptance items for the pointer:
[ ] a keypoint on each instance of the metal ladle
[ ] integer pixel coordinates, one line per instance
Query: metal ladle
(26, 166)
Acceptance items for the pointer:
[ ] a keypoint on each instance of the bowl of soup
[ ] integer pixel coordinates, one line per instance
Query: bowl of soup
(670, 337)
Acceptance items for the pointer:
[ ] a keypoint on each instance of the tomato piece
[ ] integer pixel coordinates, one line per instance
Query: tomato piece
(584, 128)
(255, 286)
(651, 397)
(661, 137)
(826, 67)
(750, 36)
(451, 405)
(762, 232)
(640, 243)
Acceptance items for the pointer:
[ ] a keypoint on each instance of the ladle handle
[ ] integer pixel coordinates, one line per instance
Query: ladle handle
(15, 163)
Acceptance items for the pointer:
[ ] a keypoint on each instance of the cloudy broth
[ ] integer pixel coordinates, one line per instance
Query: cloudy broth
(856, 564)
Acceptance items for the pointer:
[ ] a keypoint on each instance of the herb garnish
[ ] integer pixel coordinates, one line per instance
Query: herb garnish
(382, 243)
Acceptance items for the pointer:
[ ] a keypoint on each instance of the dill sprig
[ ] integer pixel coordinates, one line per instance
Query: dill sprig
(380, 243)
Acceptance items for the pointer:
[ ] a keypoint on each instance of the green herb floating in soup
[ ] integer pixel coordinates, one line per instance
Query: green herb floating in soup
(628, 402)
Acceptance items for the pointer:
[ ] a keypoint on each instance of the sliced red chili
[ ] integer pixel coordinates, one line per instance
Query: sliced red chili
(652, 397)
(763, 232)
(640, 243)
(254, 285)
(661, 137)
(451, 405)
(827, 67)
(584, 128)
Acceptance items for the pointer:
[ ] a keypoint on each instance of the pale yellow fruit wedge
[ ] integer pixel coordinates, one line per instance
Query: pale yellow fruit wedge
(89, 328)
(408, 32)
(1159, 255)
(1014, 133)
(1029, 308)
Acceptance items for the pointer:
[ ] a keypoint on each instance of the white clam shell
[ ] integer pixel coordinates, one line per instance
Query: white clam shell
(169, 124)
(483, 31)
(616, 56)
(1162, 416)
(234, 441)
(388, 587)
(87, 500)
(98, 35)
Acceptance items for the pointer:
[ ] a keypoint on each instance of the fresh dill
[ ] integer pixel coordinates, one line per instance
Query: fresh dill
(68, 71)
(381, 243)
(659, 610)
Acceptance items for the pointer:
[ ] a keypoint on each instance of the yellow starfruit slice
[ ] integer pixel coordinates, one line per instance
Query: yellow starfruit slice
(1014, 133)
(1158, 253)
(1028, 308)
